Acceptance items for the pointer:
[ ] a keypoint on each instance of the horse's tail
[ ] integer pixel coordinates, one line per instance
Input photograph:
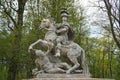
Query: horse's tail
(82, 58)
(84, 63)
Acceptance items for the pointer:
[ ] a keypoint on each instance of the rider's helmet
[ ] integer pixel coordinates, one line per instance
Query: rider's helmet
(64, 12)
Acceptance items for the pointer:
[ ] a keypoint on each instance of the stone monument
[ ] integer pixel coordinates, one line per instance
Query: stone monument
(59, 41)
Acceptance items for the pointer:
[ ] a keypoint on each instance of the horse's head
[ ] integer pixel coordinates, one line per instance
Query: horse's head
(45, 23)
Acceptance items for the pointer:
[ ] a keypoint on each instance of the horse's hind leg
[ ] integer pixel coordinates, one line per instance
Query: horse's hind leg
(74, 60)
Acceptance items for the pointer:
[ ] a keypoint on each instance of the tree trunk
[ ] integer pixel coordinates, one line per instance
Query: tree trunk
(13, 65)
(109, 13)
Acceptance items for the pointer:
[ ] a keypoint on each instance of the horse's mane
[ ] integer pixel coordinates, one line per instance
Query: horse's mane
(50, 19)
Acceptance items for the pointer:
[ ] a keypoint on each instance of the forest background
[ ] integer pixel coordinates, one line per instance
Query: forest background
(19, 22)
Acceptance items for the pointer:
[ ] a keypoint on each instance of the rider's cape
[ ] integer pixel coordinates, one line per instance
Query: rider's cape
(70, 32)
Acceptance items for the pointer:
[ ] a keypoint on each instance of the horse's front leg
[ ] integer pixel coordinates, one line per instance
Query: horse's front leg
(50, 46)
(38, 41)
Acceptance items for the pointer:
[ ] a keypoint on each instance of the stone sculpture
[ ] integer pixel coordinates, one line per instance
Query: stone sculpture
(59, 41)
(44, 63)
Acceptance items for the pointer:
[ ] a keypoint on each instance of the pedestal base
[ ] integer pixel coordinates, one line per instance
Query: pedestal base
(65, 77)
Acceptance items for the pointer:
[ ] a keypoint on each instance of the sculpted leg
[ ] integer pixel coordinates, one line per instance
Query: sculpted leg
(64, 66)
(59, 41)
(56, 70)
(57, 53)
(58, 47)
(35, 72)
(50, 47)
(73, 59)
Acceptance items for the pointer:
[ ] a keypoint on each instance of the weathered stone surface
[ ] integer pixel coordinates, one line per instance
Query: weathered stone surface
(65, 77)
(68, 79)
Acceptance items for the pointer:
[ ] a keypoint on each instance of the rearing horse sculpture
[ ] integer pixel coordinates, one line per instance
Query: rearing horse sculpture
(50, 35)
(72, 49)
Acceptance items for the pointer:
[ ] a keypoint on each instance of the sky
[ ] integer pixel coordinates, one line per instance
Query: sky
(92, 15)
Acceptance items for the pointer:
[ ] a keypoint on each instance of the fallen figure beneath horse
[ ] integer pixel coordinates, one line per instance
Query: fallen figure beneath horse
(42, 61)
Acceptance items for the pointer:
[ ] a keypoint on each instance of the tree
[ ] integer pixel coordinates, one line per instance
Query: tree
(112, 8)
(11, 10)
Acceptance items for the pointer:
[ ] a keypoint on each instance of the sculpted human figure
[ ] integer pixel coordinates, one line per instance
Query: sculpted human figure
(63, 31)
(44, 63)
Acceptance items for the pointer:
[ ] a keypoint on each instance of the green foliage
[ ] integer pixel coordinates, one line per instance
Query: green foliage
(53, 7)
(102, 58)
(102, 54)
(3, 55)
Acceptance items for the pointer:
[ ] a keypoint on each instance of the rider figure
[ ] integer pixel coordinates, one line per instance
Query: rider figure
(63, 31)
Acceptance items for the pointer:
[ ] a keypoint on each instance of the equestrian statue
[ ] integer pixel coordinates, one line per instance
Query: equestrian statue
(58, 41)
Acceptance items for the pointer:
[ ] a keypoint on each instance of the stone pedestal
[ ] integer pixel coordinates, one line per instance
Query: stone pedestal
(65, 77)
(69, 79)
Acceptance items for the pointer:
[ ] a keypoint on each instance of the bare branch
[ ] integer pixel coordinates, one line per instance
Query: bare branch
(10, 27)
(108, 7)
(116, 5)
(12, 7)
(117, 25)
(115, 18)
(8, 14)
(117, 29)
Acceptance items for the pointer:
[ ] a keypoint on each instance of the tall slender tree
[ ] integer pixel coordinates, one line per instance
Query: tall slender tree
(14, 10)
(112, 8)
